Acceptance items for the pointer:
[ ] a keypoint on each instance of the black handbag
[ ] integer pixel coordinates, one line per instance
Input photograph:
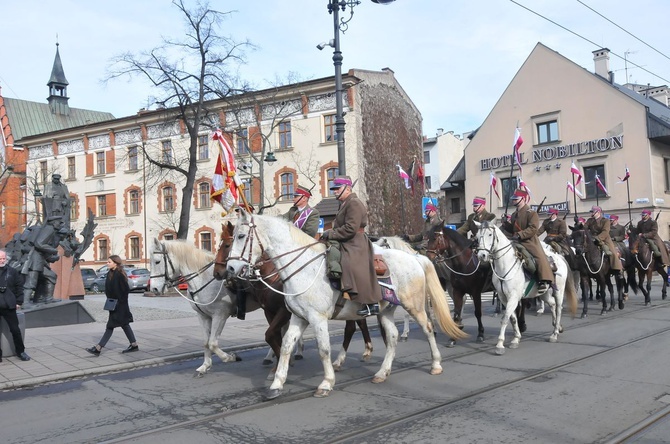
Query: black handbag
(110, 304)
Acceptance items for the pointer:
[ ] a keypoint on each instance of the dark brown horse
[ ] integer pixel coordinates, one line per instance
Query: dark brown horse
(593, 263)
(268, 294)
(646, 264)
(452, 253)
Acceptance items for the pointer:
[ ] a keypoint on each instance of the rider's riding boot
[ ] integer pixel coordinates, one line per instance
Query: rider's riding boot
(368, 310)
(542, 287)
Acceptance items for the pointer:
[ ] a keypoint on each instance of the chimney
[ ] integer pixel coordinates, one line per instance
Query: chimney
(440, 131)
(601, 60)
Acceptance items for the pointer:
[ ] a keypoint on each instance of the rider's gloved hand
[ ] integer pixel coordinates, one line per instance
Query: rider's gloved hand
(404, 237)
(325, 235)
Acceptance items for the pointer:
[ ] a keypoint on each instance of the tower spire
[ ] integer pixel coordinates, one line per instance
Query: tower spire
(58, 87)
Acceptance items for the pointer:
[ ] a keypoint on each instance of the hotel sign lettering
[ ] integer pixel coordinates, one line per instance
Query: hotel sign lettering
(556, 152)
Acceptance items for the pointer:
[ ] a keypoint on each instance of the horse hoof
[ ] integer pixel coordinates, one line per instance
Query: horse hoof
(321, 393)
(272, 394)
(480, 339)
(500, 351)
(403, 338)
(625, 296)
(298, 357)
(621, 305)
(552, 339)
(436, 371)
(199, 374)
(664, 296)
(378, 380)
(603, 311)
(450, 344)
(237, 358)
(337, 368)
(522, 327)
(513, 345)
(267, 361)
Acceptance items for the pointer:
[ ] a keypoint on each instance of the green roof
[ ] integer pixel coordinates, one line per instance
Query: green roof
(30, 118)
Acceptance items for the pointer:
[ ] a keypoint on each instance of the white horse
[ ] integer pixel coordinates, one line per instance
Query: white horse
(210, 299)
(512, 285)
(312, 300)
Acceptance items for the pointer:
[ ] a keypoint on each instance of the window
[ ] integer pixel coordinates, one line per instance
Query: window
(287, 183)
(103, 250)
(134, 202)
(547, 132)
(206, 241)
(134, 247)
(44, 171)
(329, 129)
(247, 190)
(667, 174)
(100, 162)
(508, 186)
(73, 208)
(168, 199)
(331, 174)
(427, 182)
(71, 169)
(203, 147)
(456, 205)
(243, 141)
(426, 157)
(204, 200)
(132, 159)
(285, 135)
(168, 236)
(166, 152)
(102, 205)
(590, 180)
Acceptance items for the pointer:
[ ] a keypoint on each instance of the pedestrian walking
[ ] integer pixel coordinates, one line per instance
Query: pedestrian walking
(117, 289)
(11, 299)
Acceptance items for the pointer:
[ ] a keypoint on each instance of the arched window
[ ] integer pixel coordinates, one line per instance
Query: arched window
(331, 174)
(168, 198)
(204, 201)
(287, 186)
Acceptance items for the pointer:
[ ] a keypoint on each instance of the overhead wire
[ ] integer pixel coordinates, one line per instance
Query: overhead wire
(586, 39)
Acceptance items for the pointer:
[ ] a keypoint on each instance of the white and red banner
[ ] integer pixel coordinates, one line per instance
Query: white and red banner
(403, 175)
(600, 184)
(574, 170)
(518, 140)
(225, 181)
(574, 190)
(494, 184)
(625, 177)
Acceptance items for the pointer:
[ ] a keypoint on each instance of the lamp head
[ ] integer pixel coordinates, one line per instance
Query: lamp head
(322, 45)
(270, 157)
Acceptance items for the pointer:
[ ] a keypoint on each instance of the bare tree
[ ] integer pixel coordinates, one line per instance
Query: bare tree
(187, 72)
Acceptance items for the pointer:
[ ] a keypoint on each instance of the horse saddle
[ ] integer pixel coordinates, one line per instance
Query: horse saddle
(529, 262)
(381, 269)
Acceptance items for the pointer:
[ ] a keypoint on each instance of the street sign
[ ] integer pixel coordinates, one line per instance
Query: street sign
(322, 223)
(424, 201)
(453, 227)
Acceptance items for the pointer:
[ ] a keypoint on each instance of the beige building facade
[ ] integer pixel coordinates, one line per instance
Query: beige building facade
(567, 114)
(103, 166)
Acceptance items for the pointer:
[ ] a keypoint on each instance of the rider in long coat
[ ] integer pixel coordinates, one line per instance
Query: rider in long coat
(479, 214)
(524, 225)
(600, 229)
(648, 228)
(432, 220)
(617, 232)
(358, 272)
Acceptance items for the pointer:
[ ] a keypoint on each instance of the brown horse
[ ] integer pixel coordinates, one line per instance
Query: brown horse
(646, 264)
(267, 292)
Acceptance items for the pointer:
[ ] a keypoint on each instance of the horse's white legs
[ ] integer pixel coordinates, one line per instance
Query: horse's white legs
(421, 318)
(540, 307)
(218, 322)
(510, 306)
(295, 330)
(206, 324)
(555, 301)
(405, 328)
(517, 332)
(391, 330)
(322, 335)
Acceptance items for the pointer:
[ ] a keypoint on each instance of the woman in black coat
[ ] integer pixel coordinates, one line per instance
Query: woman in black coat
(116, 287)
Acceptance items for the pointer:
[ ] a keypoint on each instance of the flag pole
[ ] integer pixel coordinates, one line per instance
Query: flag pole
(490, 196)
(597, 190)
(513, 160)
(402, 207)
(574, 197)
(630, 216)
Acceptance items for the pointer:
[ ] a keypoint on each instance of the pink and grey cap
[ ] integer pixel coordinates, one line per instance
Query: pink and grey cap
(478, 201)
(646, 212)
(596, 209)
(552, 211)
(614, 217)
(340, 181)
(431, 207)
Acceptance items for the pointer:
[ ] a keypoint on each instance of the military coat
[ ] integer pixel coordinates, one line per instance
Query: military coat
(469, 224)
(600, 229)
(649, 229)
(525, 222)
(306, 219)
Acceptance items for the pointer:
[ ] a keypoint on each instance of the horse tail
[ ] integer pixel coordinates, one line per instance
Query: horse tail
(570, 292)
(439, 300)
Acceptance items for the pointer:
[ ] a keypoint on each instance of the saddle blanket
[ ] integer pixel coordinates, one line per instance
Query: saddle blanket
(388, 289)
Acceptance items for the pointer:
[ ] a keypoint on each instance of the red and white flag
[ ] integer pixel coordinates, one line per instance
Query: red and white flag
(600, 184)
(403, 175)
(494, 184)
(518, 140)
(625, 177)
(575, 170)
(523, 185)
(225, 181)
(574, 190)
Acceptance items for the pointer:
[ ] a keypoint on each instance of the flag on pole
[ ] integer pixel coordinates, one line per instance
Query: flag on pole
(600, 184)
(574, 190)
(494, 184)
(523, 185)
(518, 140)
(625, 177)
(575, 170)
(403, 175)
(420, 176)
(225, 182)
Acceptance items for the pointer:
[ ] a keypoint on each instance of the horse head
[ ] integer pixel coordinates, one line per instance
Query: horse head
(633, 240)
(488, 238)
(221, 261)
(436, 244)
(246, 248)
(162, 270)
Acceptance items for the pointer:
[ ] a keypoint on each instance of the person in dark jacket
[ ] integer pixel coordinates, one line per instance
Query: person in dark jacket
(648, 229)
(116, 287)
(479, 214)
(432, 220)
(11, 299)
(301, 214)
(617, 232)
(358, 271)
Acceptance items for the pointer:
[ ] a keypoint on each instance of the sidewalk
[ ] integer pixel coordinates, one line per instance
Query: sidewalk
(57, 353)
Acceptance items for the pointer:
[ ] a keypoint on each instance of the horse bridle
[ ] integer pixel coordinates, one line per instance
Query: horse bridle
(173, 281)
(440, 257)
(602, 255)
(493, 253)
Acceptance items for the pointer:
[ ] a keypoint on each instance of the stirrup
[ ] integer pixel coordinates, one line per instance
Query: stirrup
(368, 310)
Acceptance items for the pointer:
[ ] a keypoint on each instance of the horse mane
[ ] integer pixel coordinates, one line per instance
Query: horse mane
(297, 235)
(188, 254)
(395, 243)
(461, 241)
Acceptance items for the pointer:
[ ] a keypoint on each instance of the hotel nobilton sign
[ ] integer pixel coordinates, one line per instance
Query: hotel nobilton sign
(556, 152)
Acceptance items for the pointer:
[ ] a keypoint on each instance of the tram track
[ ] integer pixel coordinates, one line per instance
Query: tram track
(354, 435)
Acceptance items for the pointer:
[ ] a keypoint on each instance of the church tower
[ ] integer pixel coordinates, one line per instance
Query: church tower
(58, 88)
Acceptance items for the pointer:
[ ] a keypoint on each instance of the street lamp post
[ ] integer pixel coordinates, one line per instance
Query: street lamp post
(334, 7)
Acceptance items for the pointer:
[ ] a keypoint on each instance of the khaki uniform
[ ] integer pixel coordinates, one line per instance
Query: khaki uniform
(428, 226)
(307, 219)
(617, 233)
(358, 272)
(469, 224)
(525, 223)
(600, 229)
(649, 230)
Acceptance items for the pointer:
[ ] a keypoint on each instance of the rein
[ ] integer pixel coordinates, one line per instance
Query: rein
(495, 257)
(442, 259)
